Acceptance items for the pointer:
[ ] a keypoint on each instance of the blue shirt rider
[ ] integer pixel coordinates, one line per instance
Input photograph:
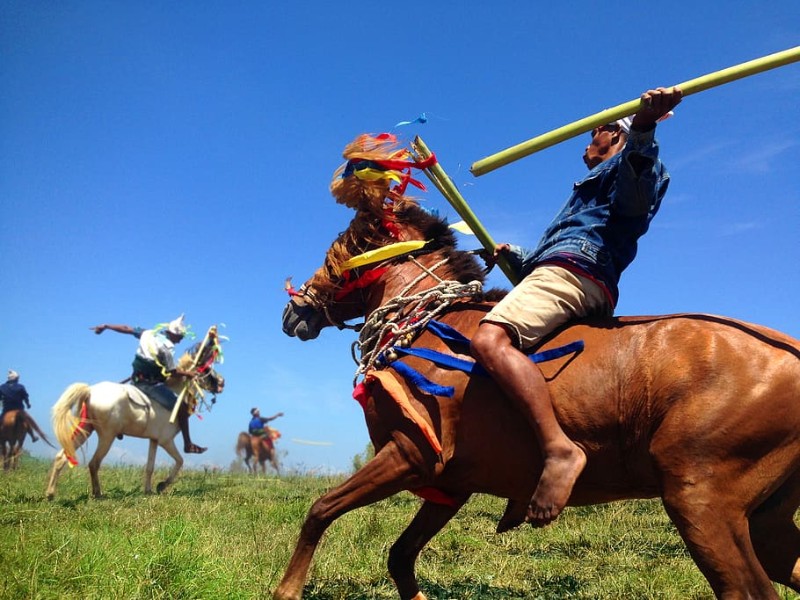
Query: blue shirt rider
(574, 273)
(14, 396)
(258, 423)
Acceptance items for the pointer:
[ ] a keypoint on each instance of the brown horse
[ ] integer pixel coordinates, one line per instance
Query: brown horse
(14, 426)
(702, 411)
(262, 448)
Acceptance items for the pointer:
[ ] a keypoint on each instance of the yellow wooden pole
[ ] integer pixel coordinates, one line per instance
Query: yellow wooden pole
(699, 84)
(449, 190)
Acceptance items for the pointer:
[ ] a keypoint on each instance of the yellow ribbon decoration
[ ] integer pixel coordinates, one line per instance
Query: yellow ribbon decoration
(382, 253)
(375, 174)
(462, 227)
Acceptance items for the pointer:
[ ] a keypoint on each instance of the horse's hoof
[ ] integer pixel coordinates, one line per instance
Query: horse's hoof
(514, 516)
(161, 487)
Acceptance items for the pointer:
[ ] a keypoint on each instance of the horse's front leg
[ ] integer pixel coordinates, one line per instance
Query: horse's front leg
(169, 446)
(386, 474)
(150, 467)
(402, 557)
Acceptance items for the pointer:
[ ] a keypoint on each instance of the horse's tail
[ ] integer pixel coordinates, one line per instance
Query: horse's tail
(66, 425)
(35, 426)
(242, 444)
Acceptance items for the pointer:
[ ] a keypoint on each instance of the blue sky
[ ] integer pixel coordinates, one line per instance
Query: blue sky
(165, 157)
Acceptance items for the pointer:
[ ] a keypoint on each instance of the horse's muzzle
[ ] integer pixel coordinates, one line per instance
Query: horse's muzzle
(302, 322)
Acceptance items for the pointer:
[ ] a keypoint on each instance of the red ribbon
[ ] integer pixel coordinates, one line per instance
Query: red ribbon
(366, 279)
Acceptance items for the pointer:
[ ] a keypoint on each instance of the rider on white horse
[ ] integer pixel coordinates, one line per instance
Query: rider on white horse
(153, 363)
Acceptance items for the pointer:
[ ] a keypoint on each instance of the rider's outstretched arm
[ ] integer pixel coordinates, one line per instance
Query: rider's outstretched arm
(98, 329)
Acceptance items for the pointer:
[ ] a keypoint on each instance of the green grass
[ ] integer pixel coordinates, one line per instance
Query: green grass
(225, 535)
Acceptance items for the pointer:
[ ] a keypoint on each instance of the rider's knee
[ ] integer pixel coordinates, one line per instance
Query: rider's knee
(488, 340)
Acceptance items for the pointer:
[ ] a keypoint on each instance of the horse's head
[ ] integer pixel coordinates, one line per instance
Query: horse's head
(204, 355)
(366, 265)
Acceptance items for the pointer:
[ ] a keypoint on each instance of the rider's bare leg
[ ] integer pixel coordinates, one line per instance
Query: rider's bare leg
(183, 423)
(523, 382)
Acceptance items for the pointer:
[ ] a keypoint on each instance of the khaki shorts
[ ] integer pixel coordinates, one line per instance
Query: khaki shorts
(546, 299)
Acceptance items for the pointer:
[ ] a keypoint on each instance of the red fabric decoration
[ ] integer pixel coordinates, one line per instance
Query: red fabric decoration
(361, 394)
(367, 278)
(434, 495)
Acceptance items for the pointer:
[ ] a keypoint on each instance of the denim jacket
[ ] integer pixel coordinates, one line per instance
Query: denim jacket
(609, 210)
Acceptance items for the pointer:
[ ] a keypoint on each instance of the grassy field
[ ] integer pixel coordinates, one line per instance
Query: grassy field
(225, 535)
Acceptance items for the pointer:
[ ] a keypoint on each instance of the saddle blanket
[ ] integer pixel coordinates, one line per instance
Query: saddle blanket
(159, 392)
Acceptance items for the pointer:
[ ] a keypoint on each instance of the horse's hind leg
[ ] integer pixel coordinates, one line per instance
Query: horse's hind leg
(386, 474)
(16, 452)
(103, 446)
(61, 461)
(404, 552)
(58, 465)
(776, 538)
(716, 532)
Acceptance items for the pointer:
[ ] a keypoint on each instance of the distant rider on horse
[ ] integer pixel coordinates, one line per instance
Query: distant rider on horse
(13, 395)
(258, 427)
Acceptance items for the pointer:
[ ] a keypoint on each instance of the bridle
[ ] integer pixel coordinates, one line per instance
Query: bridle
(312, 299)
(399, 320)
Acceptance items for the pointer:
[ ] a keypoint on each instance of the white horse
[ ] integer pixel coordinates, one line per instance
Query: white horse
(117, 409)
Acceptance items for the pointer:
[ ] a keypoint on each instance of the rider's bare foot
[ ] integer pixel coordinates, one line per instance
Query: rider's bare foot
(194, 449)
(559, 475)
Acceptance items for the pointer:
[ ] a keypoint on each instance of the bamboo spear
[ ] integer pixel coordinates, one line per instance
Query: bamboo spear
(609, 115)
(212, 331)
(448, 189)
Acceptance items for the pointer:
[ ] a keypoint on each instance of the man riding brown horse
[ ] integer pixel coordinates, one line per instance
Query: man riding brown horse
(574, 273)
(13, 396)
(258, 427)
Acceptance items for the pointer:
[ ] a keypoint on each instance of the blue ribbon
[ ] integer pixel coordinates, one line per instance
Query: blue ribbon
(448, 333)
(422, 119)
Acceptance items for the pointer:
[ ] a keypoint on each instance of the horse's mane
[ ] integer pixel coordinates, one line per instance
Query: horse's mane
(367, 232)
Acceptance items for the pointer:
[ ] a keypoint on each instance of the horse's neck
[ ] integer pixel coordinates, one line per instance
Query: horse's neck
(406, 281)
(185, 363)
(176, 382)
